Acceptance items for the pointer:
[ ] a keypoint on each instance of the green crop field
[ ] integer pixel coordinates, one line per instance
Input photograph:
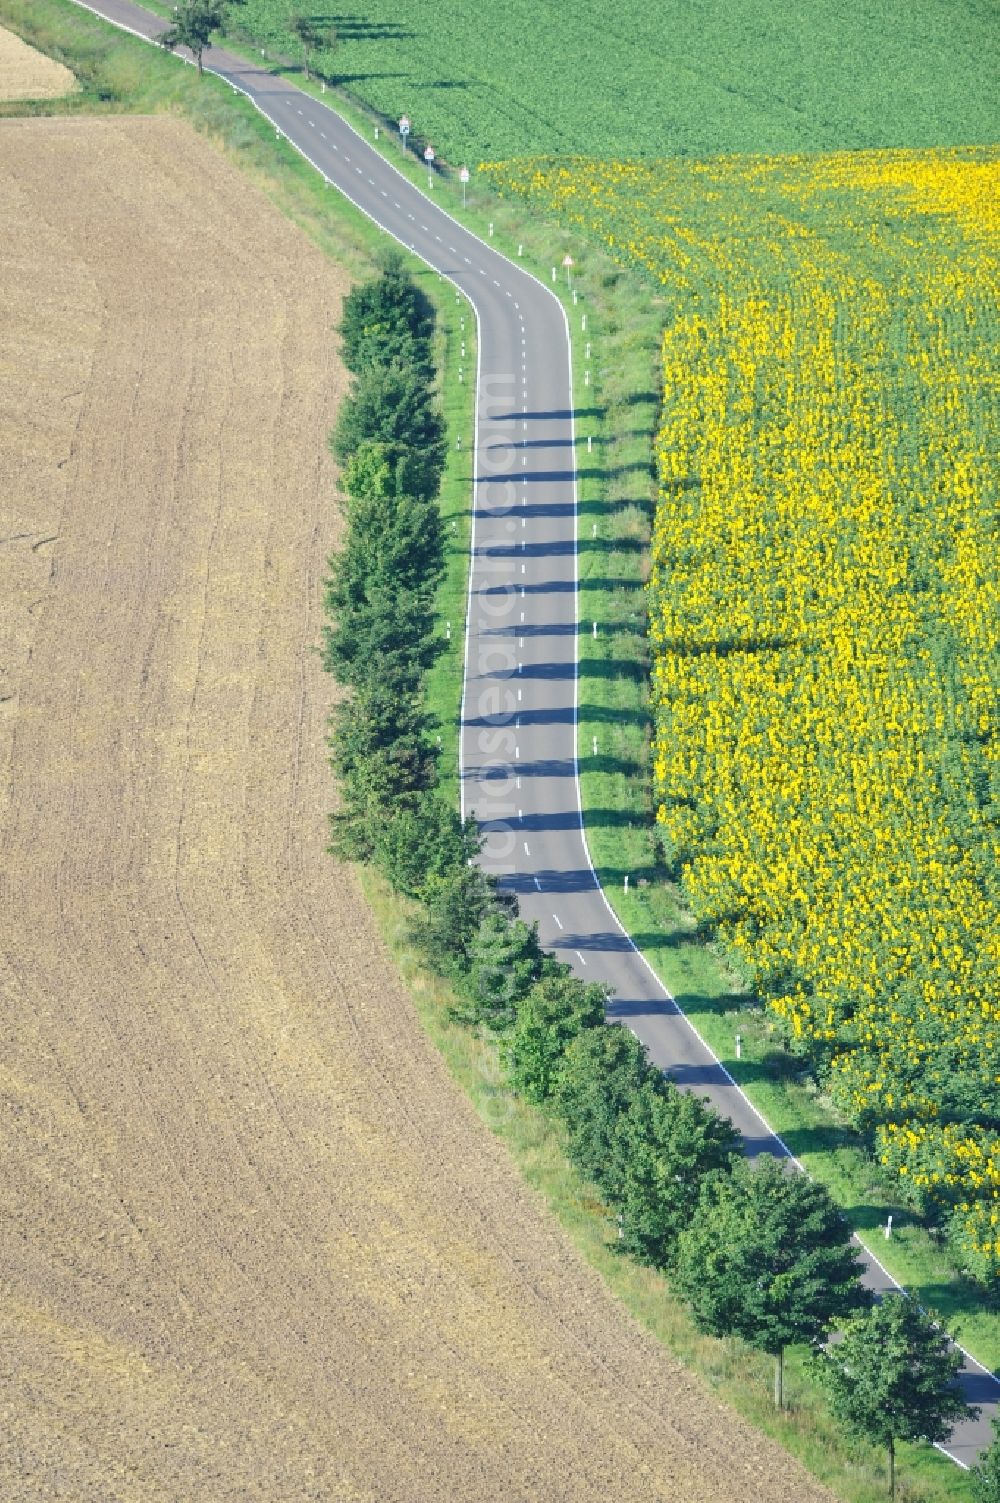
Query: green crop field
(659, 79)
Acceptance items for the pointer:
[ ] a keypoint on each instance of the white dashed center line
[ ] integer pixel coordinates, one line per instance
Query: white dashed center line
(557, 919)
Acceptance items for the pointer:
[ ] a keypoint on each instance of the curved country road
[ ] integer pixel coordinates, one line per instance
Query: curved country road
(518, 746)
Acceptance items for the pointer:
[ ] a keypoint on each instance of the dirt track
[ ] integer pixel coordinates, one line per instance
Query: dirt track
(253, 1244)
(26, 73)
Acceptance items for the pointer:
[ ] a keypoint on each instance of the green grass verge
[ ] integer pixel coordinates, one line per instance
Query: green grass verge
(456, 359)
(742, 1378)
(617, 498)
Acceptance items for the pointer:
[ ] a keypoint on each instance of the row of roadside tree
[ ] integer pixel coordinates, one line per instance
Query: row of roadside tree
(756, 1252)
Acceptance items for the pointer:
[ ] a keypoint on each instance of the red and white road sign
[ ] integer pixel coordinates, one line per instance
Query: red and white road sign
(428, 154)
(463, 175)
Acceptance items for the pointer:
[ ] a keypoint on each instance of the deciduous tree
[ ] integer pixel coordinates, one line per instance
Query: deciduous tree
(381, 752)
(555, 1010)
(387, 318)
(892, 1375)
(455, 907)
(393, 404)
(417, 845)
(193, 24)
(506, 961)
(312, 34)
(663, 1146)
(603, 1070)
(767, 1256)
(986, 1476)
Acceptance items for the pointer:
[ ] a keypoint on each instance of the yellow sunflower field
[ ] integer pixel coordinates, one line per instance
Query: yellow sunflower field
(823, 614)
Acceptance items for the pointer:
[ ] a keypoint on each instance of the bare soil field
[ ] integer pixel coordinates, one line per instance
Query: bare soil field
(27, 74)
(254, 1244)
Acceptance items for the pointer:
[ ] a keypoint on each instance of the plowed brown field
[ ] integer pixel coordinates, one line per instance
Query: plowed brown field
(253, 1242)
(26, 73)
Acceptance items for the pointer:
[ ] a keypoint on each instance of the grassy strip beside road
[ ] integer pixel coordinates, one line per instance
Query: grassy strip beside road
(616, 496)
(458, 398)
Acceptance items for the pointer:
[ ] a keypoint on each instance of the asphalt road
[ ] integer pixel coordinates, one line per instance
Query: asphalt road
(518, 743)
